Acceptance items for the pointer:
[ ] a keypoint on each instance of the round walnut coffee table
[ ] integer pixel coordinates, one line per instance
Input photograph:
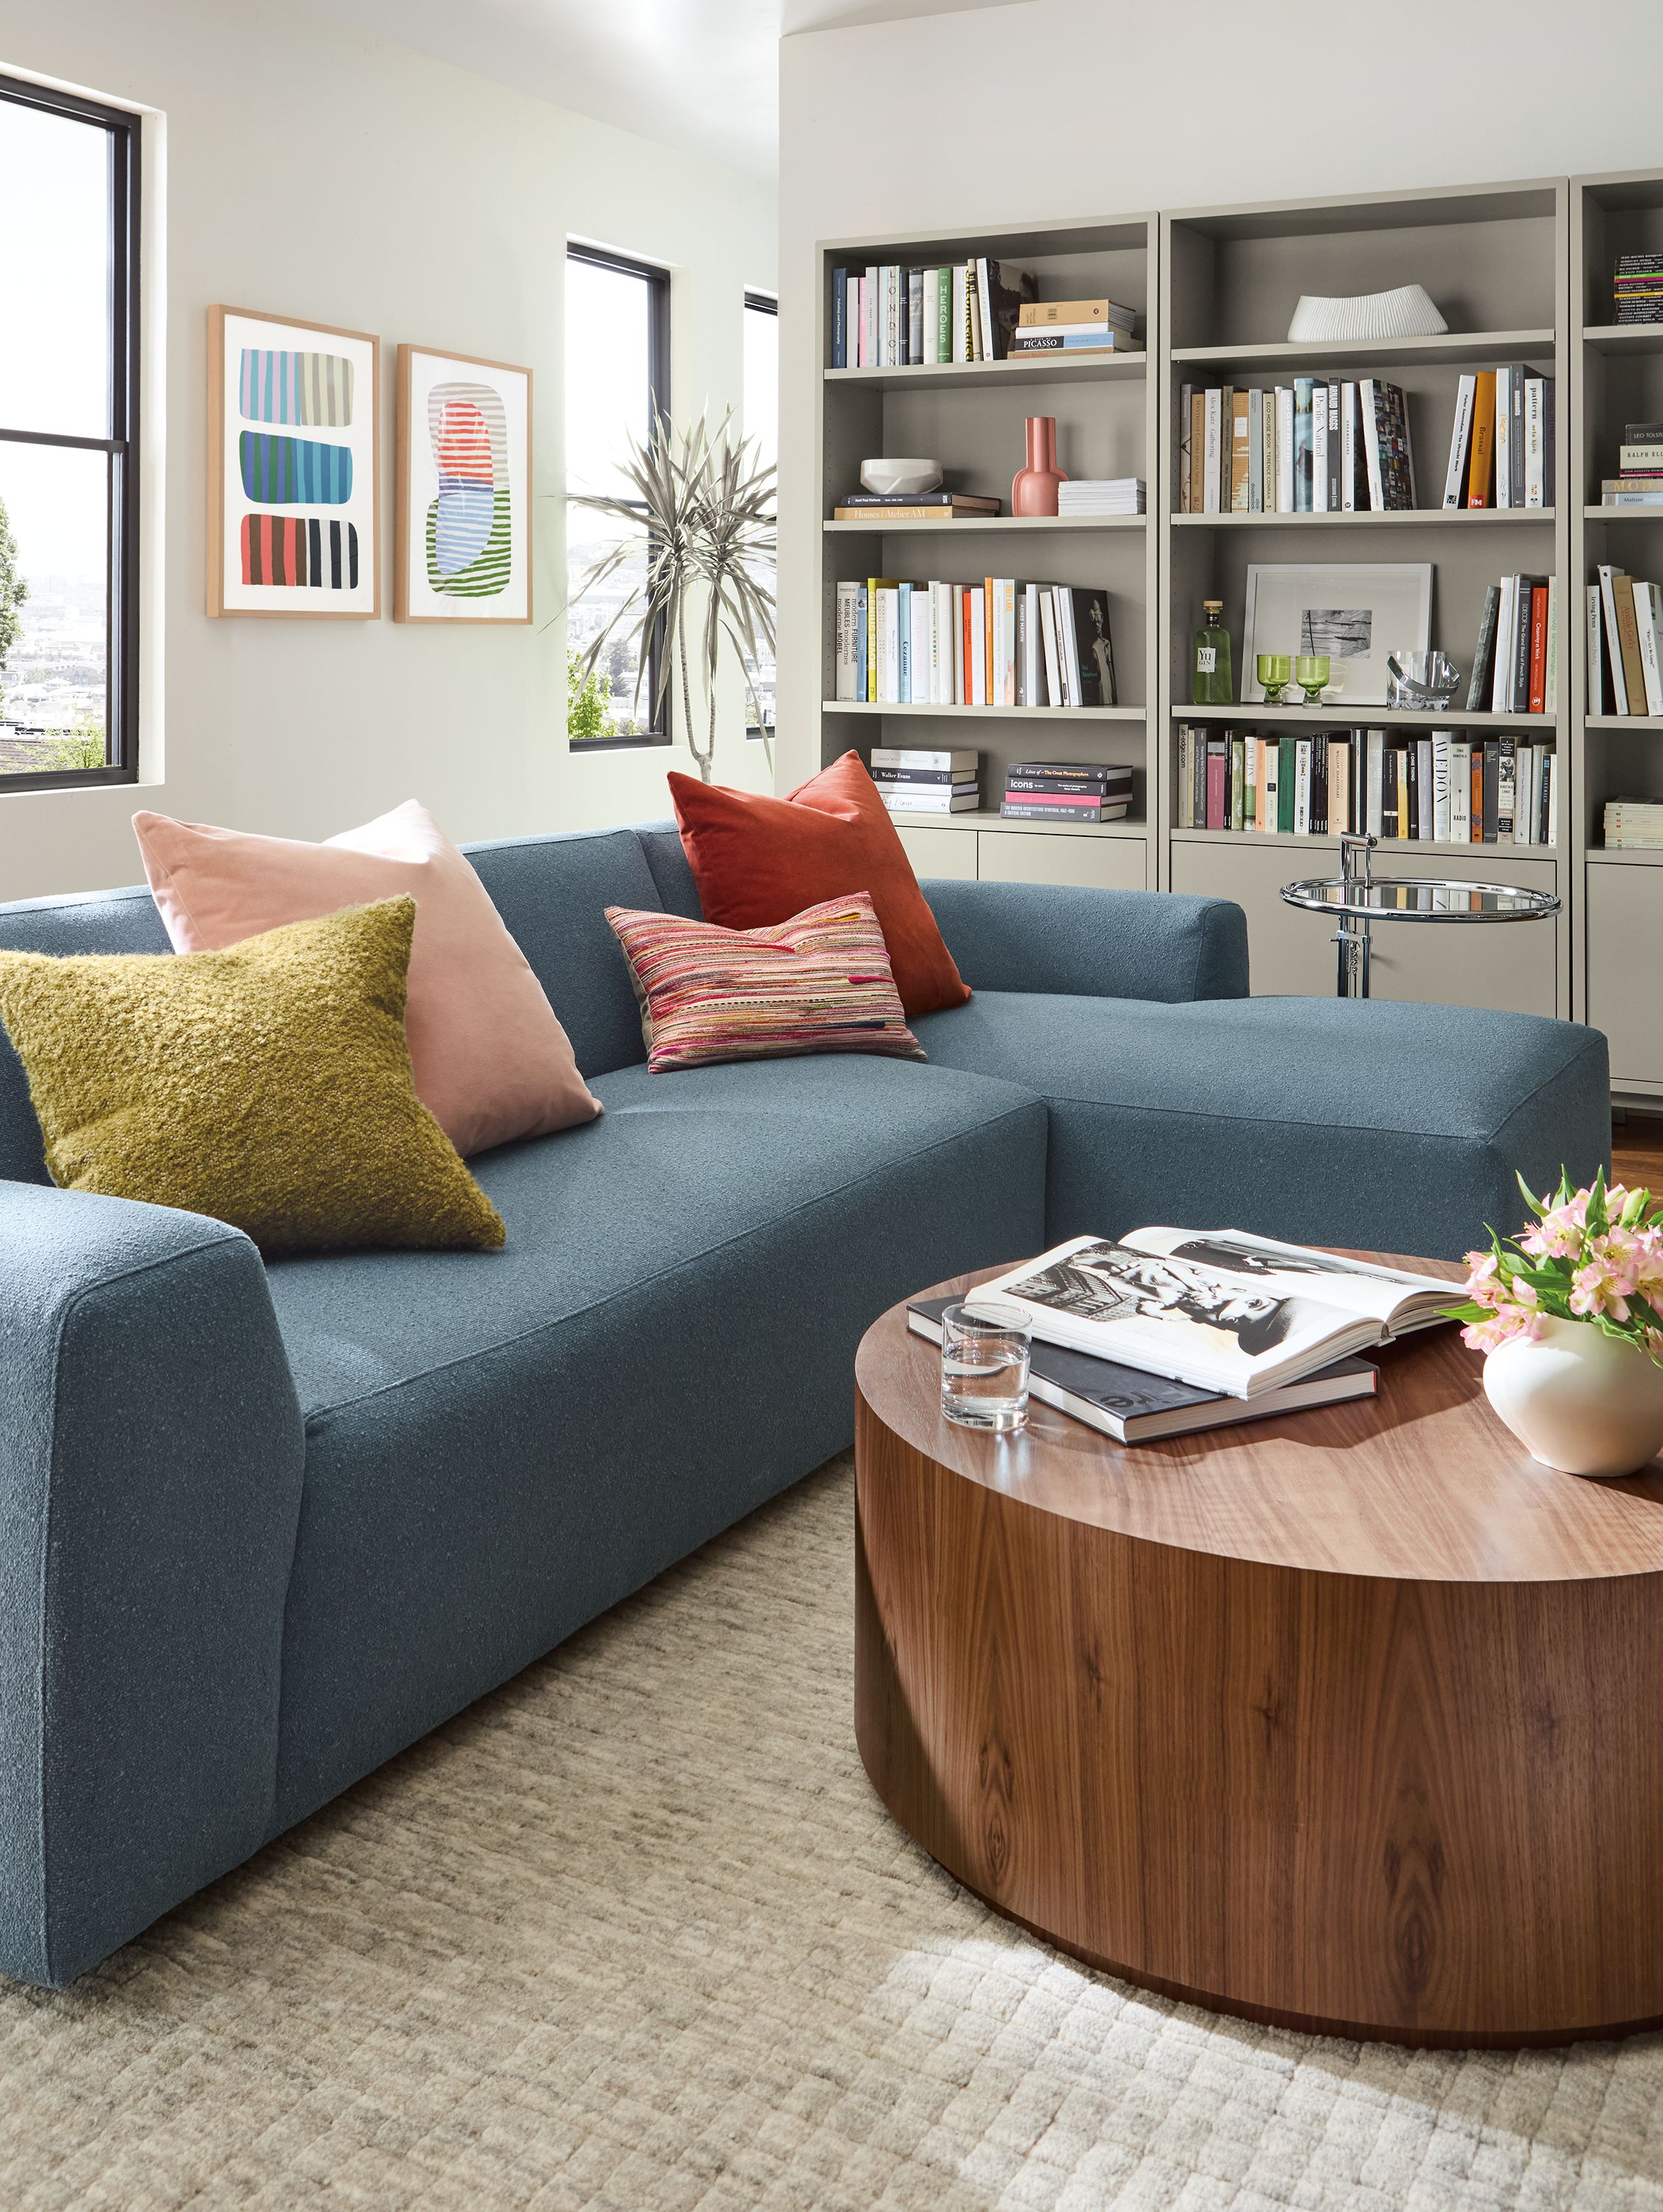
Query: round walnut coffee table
(1346, 1721)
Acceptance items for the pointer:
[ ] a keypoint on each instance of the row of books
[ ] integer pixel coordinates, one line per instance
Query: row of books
(1625, 645)
(927, 780)
(1308, 448)
(1637, 288)
(1439, 786)
(1101, 495)
(1504, 441)
(1634, 821)
(1639, 479)
(887, 316)
(1515, 663)
(998, 643)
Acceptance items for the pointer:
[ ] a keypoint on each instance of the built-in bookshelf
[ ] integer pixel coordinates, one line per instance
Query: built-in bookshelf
(1521, 272)
(970, 416)
(1617, 378)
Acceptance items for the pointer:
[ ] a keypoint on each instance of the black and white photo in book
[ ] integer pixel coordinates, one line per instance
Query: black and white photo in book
(1221, 1309)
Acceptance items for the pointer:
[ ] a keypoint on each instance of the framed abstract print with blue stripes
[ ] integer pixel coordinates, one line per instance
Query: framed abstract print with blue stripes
(294, 468)
(462, 533)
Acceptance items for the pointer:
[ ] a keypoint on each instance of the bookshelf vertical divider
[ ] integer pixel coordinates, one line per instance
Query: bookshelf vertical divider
(1521, 271)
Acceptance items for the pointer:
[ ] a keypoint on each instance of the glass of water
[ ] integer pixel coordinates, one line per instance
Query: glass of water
(984, 1364)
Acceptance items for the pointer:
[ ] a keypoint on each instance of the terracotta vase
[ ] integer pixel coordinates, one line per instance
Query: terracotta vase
(1033, 490)
(1577, 1399)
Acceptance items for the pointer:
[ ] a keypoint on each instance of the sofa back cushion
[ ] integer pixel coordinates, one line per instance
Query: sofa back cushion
(553, 893)
(96, 922)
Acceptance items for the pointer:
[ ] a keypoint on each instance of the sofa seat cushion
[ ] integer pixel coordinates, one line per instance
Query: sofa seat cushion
(1370, 1123)
(496, 1451)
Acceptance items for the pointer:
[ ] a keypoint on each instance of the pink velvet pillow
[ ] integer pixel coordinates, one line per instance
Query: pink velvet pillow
(491, 1061)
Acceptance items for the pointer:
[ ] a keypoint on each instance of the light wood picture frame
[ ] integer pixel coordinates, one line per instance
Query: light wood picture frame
(462, 509)
(294, 468)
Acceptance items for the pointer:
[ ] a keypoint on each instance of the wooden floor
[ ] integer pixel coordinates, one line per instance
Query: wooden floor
(1637, 1150)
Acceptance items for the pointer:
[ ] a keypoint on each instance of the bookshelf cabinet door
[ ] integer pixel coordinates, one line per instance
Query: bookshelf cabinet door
(1287, 951)
(1625, 991)
(940, 851)
(1104, 864)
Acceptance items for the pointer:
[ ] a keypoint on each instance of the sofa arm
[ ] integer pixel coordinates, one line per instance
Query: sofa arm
(150, 1459)
(1100, 944)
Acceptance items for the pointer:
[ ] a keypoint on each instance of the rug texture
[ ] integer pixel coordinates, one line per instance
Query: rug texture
(634, 1932)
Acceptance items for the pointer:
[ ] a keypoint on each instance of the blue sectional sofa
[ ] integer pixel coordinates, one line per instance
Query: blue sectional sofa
(262, 1525)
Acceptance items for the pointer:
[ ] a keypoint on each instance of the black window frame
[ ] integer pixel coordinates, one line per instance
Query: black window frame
(125, 151)
(657, 281)
(761, 303)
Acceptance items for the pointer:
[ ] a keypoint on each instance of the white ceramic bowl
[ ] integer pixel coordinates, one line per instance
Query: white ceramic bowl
(1404, 313)
(886, 476)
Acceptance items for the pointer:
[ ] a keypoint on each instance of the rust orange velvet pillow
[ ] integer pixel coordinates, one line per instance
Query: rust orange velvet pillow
(758, 860)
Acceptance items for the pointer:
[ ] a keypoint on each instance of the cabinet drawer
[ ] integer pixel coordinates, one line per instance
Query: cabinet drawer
(1103, 864)
(1625, 982)
(940, 851)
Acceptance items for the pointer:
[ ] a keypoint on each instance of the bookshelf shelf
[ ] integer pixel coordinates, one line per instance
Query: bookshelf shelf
(1359, 716)
(1625, 725)
(990, 818)
(1607, 856)
(959, 376)
(1389, 852)
(1592, 513)
(987, 714)
(1620, 338)
(1457, 348)
(1463, 518)
(967, 528)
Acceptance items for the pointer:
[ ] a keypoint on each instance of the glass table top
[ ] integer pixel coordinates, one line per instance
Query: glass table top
(1421, 898)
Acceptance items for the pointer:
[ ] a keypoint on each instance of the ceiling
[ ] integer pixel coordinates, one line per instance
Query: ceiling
(699, 75)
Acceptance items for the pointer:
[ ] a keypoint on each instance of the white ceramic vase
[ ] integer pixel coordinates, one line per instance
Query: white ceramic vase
(1578, 1400)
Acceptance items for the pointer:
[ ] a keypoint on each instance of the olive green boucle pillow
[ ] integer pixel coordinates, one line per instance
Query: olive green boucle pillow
(268, 1084)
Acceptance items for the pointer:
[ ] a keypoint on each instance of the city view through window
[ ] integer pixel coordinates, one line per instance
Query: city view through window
(54, 500)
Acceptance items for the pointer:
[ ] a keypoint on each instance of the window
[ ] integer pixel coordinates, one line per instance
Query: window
(762, 423)
(618, 382)
(68, 414)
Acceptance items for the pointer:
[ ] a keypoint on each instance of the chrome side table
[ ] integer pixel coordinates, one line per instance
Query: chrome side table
(1357, 902)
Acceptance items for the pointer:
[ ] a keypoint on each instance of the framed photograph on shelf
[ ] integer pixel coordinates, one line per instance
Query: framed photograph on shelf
(294, 467)
(463, 525)
(1357, 612)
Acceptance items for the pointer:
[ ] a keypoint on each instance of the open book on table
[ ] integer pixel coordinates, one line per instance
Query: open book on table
(1218, 1307)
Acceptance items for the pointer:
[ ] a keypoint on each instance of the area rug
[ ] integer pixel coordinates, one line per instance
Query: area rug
(634, 1932)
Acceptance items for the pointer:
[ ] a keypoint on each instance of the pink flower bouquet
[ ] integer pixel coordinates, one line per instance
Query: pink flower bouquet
(1594, 1255)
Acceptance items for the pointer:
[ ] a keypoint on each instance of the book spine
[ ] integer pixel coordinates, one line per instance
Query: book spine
(903, 645)
(1535, 441)
(1491, 787)
(1519, 685)
(1441, 751)
(839, 318)
(863, 646)
(1628, 636)
(1212, 452)
(1551, 674)
(1184, 796)
(1483, 439)
(1501, 700)
(915, 317)
(1256, 451)
(845, 660)
(944, 315)
(1552, 836)
(1460, 793)
(1303, 389)
(1319, 449)
(1285, 462)
(1538, 681)
(1217, 768)
(1648, 614)
(1197, 452)
(1374, 772)
(1336, 485)
(1596, 652)
(1460, 439)
(1185, 399)
(1368, 402)
(1477, 696)
(1613, 641)
(1241, 462)
(1504, 382)
(1507, 790)
(929, 336)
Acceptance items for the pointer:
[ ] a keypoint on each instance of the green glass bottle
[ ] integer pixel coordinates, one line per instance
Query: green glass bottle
(1211, 683)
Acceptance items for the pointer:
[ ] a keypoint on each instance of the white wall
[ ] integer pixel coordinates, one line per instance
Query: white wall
(1057, 108)
(318, 172)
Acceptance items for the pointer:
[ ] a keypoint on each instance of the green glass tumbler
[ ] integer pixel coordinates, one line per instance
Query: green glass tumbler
(1310, 673)
(1274, 670)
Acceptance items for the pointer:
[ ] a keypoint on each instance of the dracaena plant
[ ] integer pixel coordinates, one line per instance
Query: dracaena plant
(708, 510)
(1593, 1255)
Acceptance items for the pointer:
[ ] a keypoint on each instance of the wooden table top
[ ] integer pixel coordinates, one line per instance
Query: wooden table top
(1421, 1482)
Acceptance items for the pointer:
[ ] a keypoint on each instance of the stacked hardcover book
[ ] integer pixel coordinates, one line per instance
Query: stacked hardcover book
(998, 643)
(1308, 448)
(880, 509)
(1515, 663)
(1437, 784)
(1503, 444)
(1625, 645)
(1066, 792)
(1637, 288)
(1639, 480)
(1168, 1330)
(1075, 328)
(1636, 822)
(1101, 495)
(921, 780)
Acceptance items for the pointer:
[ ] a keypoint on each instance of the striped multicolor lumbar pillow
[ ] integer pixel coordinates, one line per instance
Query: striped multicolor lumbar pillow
(820, 982)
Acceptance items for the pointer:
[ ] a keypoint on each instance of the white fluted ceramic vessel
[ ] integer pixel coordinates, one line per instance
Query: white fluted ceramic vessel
(1577, 1399)
(1406, 313)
